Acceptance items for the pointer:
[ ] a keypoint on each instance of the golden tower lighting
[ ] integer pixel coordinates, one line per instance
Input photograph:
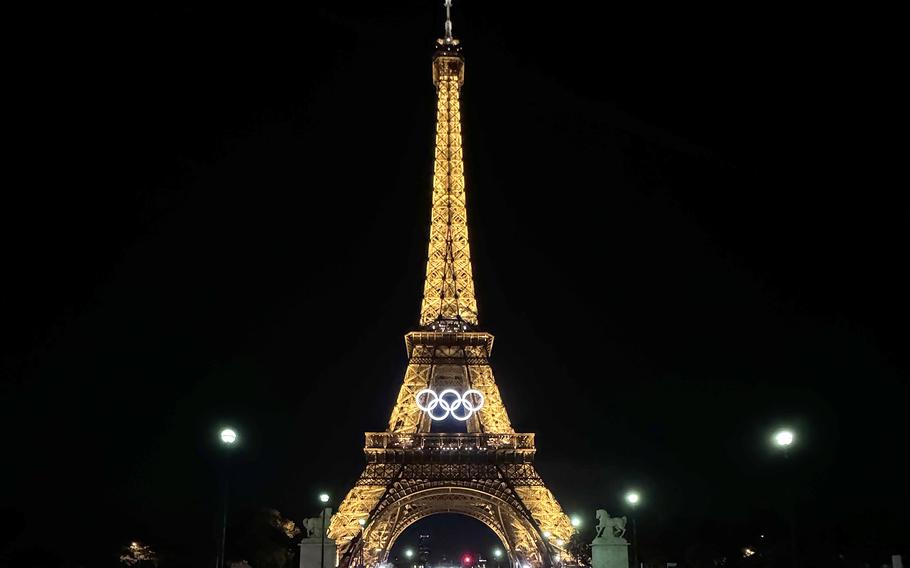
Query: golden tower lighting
(487, 472)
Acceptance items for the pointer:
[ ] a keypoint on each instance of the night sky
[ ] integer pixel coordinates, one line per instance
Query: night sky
(684, 227)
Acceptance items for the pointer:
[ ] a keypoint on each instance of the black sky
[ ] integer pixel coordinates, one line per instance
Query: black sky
(686, 230)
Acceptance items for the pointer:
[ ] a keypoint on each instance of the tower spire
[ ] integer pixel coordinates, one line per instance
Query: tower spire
(448, 295)
(448, 5)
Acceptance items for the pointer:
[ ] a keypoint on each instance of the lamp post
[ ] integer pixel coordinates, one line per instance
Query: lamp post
(783, 439)
(633, 498)
(497, 554)
(323, 498)
(228, 438)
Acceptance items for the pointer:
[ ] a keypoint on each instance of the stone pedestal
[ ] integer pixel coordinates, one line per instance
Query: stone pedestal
(612, 552)
(310, 553)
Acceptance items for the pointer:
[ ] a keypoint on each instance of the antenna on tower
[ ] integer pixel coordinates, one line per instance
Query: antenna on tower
(448, 5)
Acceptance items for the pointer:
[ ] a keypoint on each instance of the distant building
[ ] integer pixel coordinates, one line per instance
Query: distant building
(423, 551)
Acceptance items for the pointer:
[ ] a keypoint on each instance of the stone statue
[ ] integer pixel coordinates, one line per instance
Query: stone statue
(609, 528)
(609, 549)
(312, 527)
(618, 526)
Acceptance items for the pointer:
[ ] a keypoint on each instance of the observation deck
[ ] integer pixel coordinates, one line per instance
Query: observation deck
(431, 339)
(389, 447)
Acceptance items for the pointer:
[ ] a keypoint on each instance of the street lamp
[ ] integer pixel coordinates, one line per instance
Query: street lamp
(633, 498)
(323, 498)
(228, 438)
(782, 439)
(576, 521)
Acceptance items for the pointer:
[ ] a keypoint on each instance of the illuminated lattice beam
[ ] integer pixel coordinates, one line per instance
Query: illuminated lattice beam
(449, 288)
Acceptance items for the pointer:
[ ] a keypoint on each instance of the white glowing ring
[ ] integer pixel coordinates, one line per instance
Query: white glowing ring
(449, 401)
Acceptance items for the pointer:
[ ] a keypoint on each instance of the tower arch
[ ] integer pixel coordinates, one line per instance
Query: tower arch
(520, 539)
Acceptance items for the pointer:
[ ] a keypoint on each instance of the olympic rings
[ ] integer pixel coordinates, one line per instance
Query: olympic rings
(449, 401)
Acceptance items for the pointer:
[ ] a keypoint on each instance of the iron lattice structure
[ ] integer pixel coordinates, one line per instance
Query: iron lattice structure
(449, 289)
(487, 472)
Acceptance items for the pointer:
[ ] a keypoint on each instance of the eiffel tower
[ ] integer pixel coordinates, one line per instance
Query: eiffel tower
(486, 472)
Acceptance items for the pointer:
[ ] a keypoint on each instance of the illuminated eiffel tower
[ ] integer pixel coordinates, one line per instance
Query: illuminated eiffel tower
(486, 472)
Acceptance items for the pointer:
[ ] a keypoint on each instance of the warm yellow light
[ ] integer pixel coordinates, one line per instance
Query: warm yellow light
(747, 552)
(448, 311)
(449, 285)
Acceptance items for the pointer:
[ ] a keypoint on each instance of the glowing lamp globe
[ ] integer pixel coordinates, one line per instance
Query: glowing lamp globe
(324, 497)
(576, 521)
(228, 436)
(632, 498)
(497, 553)
(783, 438)
(409, 553)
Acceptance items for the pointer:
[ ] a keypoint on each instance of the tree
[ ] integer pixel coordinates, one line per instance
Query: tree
(266, 539)
(138, 554)
(580, 549)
